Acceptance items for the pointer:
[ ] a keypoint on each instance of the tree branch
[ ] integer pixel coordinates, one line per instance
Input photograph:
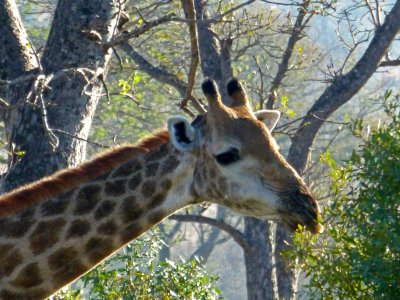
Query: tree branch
(295, 36)
(190, 13)
(236, 235)
(126, 35)
(160, 74)
(14, 43)
(157, 73)
(390, 63)
(17, 58)
(343, 88)
(230, 11)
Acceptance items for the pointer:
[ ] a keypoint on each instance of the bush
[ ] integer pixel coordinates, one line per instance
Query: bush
(359, 255)
(136, 274)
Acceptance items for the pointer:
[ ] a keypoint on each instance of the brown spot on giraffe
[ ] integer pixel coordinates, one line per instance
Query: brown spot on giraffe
(97, 248)
(17, 227)
(151, 169)
(45, 234)
(78, 229)
(75, 268)
(156, 155)
(60, 258)
(105, 208)
(148, 188)
(130, 209)
(108, 228)
(52, 208)
(115, 188)
(155, 201)
(65, 263)
(127, 169)
(9, 259)
(34, 294)
(169, 165)
(132, 231)
(156, 217)
(166, 185)
(88, 198)
(135, 181)
(28, 277)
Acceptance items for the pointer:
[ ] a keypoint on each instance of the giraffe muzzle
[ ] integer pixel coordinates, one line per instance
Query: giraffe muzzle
(301, 208)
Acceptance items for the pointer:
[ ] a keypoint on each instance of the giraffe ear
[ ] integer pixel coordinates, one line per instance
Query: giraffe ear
(181, 133)
(269, 117)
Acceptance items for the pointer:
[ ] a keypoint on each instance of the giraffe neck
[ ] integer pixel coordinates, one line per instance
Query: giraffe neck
(48, 245)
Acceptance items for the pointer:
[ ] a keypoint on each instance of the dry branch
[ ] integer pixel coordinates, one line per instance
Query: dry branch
(194, 50)
(236, 235)
(344, 87)
(126, 35)
(283, 67)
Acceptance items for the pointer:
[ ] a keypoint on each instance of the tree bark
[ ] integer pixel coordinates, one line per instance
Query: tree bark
(73, 66)
(210, 50)
(16, 55)
(216, 64)
(259, 262)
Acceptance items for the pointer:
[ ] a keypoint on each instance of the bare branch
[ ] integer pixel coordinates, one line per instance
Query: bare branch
(126, 35)
(160, 74)
(237, 236)
(191, 15)
(295, 36)
(343, 88)
(79, 138)
(390, 63)
(230, 11)
(49, 77)
(216, 18)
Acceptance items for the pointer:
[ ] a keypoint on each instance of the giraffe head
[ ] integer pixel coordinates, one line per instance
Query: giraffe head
(237, 161)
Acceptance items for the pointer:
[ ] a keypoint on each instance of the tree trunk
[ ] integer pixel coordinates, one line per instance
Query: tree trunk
(260, 275)
(210, 51)
(285, 274)
(216, 64)
(41, 129)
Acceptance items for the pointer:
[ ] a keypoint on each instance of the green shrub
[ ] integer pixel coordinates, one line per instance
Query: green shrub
(137, 274)
(359, 255)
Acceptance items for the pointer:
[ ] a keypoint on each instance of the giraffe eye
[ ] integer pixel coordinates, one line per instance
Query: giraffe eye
(228, 157)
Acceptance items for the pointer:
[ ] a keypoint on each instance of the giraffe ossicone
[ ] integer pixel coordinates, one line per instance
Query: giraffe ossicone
(56, 229)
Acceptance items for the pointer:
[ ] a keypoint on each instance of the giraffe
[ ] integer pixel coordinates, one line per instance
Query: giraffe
(54, 230)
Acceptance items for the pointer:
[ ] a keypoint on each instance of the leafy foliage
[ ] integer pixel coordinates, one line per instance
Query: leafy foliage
(136, 274)
(359, 257)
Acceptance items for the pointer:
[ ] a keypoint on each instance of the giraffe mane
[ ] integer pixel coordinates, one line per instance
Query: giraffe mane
(64, 180)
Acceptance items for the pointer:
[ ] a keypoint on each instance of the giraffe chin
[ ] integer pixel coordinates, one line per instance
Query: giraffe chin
(293, 224)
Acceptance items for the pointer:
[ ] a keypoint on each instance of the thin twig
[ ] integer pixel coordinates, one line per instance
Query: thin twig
(79, 138)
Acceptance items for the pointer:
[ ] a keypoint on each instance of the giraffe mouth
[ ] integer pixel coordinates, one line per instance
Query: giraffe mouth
(301, 209)
(296, 222)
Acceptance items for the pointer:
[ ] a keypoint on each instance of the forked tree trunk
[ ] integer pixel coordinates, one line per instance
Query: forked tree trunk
(40, 129)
